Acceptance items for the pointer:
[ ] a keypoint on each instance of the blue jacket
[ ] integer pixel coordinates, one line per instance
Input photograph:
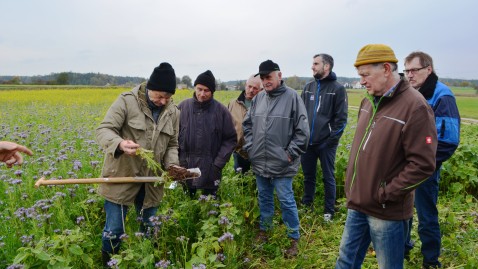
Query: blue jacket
(447, 117)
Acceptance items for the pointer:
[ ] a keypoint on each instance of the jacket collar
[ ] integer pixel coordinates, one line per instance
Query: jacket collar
(277, 91)
(429, 85)
(203, 105)
(330, 77)
(242, 97)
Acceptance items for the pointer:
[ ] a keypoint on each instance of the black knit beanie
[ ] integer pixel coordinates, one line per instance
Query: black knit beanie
(162, 79)
(207, 79)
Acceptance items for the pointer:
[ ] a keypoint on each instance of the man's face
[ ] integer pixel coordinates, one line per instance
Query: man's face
(203, 93)
(373, 78)
(159, 98)
(416, 73)
(253, 87)
(272, 80)
(319, 70)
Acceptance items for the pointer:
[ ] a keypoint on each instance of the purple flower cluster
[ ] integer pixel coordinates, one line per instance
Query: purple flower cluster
(76, 165)
(16, 266)
(212, 213)
(199, 266)
(113, 263)
(220, 257)
(162, 264)
(80, 219)
(223, 220)
(226, 237)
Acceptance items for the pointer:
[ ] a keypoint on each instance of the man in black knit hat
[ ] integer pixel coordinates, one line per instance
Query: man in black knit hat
(147, 118)
(207, 135)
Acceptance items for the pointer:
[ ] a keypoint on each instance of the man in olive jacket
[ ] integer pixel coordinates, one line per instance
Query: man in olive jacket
(144, 117)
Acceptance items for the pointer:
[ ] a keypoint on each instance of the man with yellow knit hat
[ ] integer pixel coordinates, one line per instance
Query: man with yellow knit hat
(393, 152)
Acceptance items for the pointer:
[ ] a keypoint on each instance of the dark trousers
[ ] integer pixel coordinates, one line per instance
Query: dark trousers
(426, 197)
(240, 164)
(326, 155)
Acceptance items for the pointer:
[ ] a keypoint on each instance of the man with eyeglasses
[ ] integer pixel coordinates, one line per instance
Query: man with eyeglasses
(393, 151)
(420, 73)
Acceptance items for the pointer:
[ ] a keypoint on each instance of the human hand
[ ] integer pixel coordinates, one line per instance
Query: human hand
(10, 153)
(129, 147)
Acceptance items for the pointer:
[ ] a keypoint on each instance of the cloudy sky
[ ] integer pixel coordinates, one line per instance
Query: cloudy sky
(231, 38)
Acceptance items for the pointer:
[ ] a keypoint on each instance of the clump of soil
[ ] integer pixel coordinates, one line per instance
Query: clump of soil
(178, 173)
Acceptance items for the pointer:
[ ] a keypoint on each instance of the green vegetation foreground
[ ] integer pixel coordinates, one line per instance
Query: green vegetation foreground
(59, 226)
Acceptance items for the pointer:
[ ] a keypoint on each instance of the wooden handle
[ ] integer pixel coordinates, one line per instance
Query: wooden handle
(43, 181)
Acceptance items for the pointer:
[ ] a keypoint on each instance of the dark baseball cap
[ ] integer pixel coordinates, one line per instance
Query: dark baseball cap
(267, 67)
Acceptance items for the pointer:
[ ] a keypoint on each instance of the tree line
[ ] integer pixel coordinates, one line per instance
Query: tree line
(98, 79)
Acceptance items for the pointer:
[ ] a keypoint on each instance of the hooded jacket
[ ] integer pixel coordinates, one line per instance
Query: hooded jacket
(206, 140)
(276, 128)
(130, 117)
(326, 104)
(393, 151)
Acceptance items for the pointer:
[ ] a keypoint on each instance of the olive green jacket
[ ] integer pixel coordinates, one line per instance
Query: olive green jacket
(130, 118)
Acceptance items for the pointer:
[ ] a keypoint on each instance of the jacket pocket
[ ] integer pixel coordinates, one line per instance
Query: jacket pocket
(137, 128)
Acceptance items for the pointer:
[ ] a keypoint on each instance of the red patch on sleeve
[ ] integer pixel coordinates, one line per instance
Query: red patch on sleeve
(428, 139)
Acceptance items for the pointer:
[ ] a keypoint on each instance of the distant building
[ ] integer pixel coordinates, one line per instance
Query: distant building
(181, 86)
(357, 85)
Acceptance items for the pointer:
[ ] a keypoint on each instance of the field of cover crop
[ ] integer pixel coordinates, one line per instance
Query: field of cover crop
(61, 226)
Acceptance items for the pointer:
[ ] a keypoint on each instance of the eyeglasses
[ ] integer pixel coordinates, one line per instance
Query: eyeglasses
(413, 70)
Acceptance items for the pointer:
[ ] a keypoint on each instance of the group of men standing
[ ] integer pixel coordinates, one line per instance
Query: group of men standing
(272, 131)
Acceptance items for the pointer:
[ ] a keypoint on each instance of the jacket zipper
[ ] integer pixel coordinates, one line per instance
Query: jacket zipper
(365, 137)
(368, 136)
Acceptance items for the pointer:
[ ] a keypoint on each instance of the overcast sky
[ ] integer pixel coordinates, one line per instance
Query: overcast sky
(231, 38)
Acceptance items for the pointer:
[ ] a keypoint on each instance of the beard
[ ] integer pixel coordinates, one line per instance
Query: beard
(319, 74)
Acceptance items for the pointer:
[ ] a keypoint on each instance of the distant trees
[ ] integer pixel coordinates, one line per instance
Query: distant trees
(62, 79)
(187, 80)
(295, 82)
(13, 81)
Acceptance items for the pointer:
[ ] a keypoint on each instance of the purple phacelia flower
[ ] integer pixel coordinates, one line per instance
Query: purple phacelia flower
(124, 237)
(212, 213)
(162, 264)
(226, 236)
(80, 219)
(113, 263)
(77, 165)
(220, 257)
(223, 220)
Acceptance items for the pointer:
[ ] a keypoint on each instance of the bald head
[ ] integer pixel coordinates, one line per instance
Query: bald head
(253, 87)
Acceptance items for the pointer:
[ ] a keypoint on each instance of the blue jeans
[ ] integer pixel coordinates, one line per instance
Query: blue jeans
(426, 197)
(115, 218)
(285, 195)
(387, 237)
(239, 161)
(326, 155)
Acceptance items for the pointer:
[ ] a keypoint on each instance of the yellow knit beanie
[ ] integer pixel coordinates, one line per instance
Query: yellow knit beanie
(375, 53)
